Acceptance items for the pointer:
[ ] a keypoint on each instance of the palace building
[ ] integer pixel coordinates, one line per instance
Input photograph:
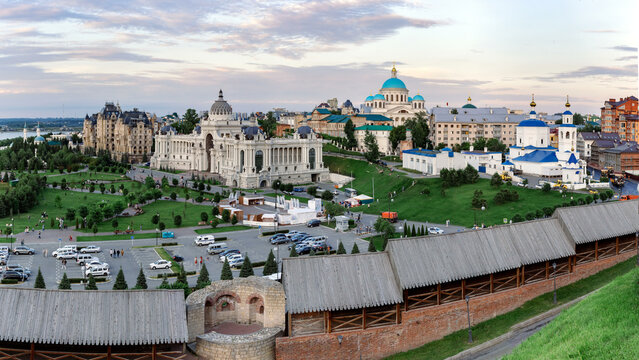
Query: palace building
(241, 154)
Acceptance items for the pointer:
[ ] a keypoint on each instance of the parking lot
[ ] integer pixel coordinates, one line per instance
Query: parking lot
(249, 242)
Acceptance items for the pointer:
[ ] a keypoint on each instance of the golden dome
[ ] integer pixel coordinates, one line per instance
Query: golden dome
(567, 102)
(533, 103)
(469, 99)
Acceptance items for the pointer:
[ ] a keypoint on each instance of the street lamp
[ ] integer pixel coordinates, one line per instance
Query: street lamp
(554, 282)
(470, 331)
(483, 207)
(157, 232)
(13, 233)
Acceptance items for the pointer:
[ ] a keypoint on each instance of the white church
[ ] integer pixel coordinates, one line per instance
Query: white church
(533, 154)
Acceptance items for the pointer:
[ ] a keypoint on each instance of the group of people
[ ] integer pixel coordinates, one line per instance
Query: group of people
(116, 253)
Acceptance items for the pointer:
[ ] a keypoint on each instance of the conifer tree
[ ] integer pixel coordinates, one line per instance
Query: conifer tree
(65, 284)
(226, 271)
(312, 253)
(293, 253)
(39, 281)
(203, 280)
(423, 230)
(355, 249)
(340, 249)
(247, 268)
(141, 281)
(91, 285)
(165, 283)
(384, 243)
(406, 231)
(181, 276)
(120, 282)
(270, 267)
(371, 246)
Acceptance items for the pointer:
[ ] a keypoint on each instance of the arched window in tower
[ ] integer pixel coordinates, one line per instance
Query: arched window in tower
(259, 160)
(567, 135)
(241, 160)
(311, 158)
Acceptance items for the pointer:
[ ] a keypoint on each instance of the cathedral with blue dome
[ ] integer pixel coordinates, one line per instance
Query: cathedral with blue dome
(394, 101)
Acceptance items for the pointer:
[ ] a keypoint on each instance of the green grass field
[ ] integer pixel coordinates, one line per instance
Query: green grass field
(454, 206)
(85, 176)
(458, 341)
(120, 237)
(334, 149)
(605, 325)
(303, 200)
(166, 209)
(223, 229)
(69, 199)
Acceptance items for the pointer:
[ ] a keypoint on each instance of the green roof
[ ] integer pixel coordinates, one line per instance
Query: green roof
(469, 106)
(375, 128)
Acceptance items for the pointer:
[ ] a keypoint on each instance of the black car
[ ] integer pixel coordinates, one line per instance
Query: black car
(280, 240)
(313, 223)
(178, 258)
(17, 275)
(304, 250)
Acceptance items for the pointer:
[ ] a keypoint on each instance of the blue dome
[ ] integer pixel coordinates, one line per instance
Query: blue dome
(393, 83)
(567, 112)
(304, 130)
(418, 98)
(447, 149)
(39, 138)
(410, 99)
(532, 112)
(369, 98)
(533, 123)
(379, 97)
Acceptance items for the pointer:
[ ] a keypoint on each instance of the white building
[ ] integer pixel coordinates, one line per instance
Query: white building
(241, 154)
(431, 162)
(394, 102)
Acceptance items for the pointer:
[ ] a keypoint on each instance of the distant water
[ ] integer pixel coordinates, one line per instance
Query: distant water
(18, 134)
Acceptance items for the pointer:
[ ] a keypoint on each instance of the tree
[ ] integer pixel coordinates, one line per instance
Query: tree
(215, 211)
(546, 188)
(140, 283)
(175, 182)
(495, 180)
(312, 252)
(120, 282)
(91, 285)
(217, 197)
(203, 279)
(204, 216)
(372, 149)
(65, 284)
(517, 218)
(341, 249)
(177, 220)
(247, 268)
(397, 134)
(226, 215)
(477, 201)
(39, 281)
(155, 219)
(268, 124)
(233, 219)
(83, 211)
(578, 119)
(333, 209)
(355, 249)
(161, 226)
(312, 190)
(58, 201)
(226, 271)
(603, 196)
(270, 266)
(214, 223)
(293, 253)
(371, 246)
(349, 130)
(384, 227)
(95, 229)
(114, 224)
(181, 276)
(327, 195)
(419, 131)
(413, 233)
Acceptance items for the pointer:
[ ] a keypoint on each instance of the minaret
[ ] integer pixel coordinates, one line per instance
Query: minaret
(533, 104)
(24, 132)
(38, 130)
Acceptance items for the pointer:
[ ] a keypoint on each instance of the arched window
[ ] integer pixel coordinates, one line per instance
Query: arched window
(311, 157)
(259, 160)
(241, 160)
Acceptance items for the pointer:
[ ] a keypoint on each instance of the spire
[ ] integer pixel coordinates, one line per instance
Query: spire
(221, 96)
(394, 71)
(532, 103)
(567, 102)
(469, 99)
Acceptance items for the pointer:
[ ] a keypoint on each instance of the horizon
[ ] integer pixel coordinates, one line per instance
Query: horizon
(68, 59)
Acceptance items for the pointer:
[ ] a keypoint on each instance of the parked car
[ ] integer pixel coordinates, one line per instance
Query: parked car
(20, 268)
(216, 248)
(90, 249)
(204, 240)
(82, 259)
(225, 253)
(95, 263)
(14, 275)
(168, 235)
(71, 247)
(236, 261)
(292, 233)
(230, 257)
(97, 271)
(280, 240)
(66, 254)
(160, 264)
(276, 236)
(435, 230)
(313, 223)
(22, 250)
(66, 248)
(178, 258)
(3, 259)
(305, 249)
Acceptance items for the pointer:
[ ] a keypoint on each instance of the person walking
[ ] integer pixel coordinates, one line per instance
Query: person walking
(39, 233)
(122, 252)
(111, 252)
(195, 260)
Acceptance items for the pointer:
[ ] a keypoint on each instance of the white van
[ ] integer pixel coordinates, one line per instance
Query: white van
(81, 259)
(216, 248)
(97, 271)
(71, 247)
(204, 240)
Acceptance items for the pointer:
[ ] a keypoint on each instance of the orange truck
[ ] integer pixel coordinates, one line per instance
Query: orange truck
(628, 197)
(390, 216)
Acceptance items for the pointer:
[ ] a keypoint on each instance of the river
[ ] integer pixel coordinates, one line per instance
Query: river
(18, 134)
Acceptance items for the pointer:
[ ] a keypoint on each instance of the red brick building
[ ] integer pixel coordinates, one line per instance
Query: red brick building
(621, 117)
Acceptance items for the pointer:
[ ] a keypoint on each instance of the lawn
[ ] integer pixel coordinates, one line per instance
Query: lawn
(455, 205)
(175, 266)
(302, 200)
(85, 176)
(605, 325)
(223, 229)
(119, 237)
(334, 149)
(490, 329)
(68, 199)
(166, 209)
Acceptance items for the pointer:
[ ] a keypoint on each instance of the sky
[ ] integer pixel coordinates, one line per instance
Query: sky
(67, 57)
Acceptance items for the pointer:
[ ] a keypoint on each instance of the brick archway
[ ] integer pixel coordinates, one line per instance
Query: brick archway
(219, 307)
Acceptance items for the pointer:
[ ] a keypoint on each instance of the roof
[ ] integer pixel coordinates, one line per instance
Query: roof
(469, 106)
(507, 162)
(533, 123)
(567, 112)
(339, 282)
(625, 147)
(424, 261)
(39, 138)
(374, 117)
(601, 221)
(475, 115)
(424, 152)
(393, 83)
(572, 159)
(379, 97)
(418, 98)
(534, 147)
(121, 317)
(374, 128)
(539, 156)
(369, 98)
(567, 125)
(323, 111)
(336, 119)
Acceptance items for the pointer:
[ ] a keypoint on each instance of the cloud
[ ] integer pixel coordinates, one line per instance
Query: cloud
(602, 31)
(624, 48)
(626, 58)
(591, 71)
(34, 13)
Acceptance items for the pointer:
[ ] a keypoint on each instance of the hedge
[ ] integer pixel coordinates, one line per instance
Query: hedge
(220, 238)
(174, 275)
(9, 281)
(258, 263)
(169, 244)
(83, 280)
(267, 233)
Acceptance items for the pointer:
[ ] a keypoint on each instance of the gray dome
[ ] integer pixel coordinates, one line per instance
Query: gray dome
(304, 130)
(251, 131)
(220, 106)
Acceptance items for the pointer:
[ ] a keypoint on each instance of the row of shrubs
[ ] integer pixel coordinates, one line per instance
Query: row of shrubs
(269, 233)
(548, 211)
